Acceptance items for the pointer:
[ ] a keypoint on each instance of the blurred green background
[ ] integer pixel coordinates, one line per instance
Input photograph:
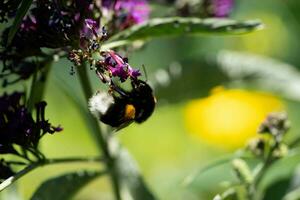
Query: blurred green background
(181, 69)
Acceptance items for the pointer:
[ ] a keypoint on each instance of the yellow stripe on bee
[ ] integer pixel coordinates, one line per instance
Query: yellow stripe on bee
(129, 112)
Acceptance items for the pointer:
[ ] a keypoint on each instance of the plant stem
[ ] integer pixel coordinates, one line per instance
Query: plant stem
(101, 138)
(73, 159)
(38, 83)
(18, 175)
(260, 172)
(41, 163)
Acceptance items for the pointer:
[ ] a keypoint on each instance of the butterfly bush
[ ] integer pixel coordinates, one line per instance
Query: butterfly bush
(78, 30)
(64, 26)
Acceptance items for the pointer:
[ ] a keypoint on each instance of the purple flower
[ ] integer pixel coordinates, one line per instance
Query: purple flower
(29, 23)
(120, 71)
(128, 12)
(107, 3)
(17, 126)
(119, 67)
(90, 29)
(219, 8)
(134, 73)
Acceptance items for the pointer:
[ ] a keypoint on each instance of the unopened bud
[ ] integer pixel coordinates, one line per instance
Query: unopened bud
(242, 171)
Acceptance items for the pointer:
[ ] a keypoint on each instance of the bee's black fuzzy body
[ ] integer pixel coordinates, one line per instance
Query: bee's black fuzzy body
(136, 105)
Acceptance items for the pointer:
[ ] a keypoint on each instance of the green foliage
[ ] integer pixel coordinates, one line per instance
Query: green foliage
(24, 7)
(131, 179)
(177, 26)
(64, 187)
(279, 180)
(260, 72)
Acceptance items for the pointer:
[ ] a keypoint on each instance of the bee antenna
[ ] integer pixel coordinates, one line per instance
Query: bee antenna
(145, 72)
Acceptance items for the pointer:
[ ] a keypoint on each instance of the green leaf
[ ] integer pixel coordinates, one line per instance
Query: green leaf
(260, 72)
(130, 177)
(235, 69)
(193, 177)
(287, 188)
(292, 195)
(277, 190)
(25, 5)
(175, 26)
(276, 177)
(211, 177)
(64, 187)
(195, 77)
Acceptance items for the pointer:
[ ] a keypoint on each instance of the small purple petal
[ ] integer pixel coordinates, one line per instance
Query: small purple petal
(134, 73)
(221, 8)
(90, 29)
(129, 12)
(119, 71)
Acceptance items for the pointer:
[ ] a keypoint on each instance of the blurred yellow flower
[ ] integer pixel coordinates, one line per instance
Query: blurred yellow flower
(228, 118)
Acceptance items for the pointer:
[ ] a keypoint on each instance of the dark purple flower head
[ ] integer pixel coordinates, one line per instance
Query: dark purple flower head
(29, 23)
(107, 3)
(17, 125)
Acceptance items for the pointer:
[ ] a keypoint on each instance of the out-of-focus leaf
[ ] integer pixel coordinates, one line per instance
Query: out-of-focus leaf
(295, 183)
(212, 177)
(276, 177)
(175, 26)
(198, 77)
(213, 180)
(193, 177)
(132, 182)
(292, 195)
(24, 7)
(262, 72)
(287, 188)
(186, 79)
(277, 190)
(75, 98)
(294, 189)
(64, 187)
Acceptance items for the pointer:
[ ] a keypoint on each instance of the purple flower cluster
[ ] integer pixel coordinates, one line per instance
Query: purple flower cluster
(119, 67)
(49, 23)
(18, 127)
(128, 12)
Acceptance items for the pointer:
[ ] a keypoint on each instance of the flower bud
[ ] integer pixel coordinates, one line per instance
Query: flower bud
(242, 171)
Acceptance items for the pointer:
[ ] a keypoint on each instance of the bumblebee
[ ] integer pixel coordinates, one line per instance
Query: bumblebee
(119, 108)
